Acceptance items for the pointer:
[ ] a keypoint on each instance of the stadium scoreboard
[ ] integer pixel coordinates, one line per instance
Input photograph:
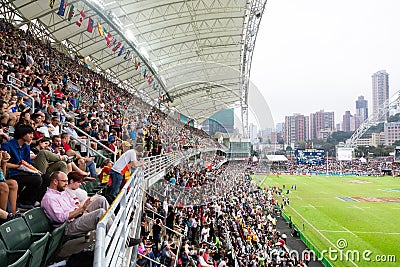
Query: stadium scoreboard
(314, 156)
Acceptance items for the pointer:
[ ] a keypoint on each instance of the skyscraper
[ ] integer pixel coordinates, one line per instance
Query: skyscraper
(321, 122)
(380, 91)
(362, 108)
(351, 122)
(296, 129)
(346, 121)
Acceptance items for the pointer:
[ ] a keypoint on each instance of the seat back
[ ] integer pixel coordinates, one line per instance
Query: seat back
(37, 221)
(16, 234)
(55, 241)
(3, 254)
(22, 261)
(37, 250)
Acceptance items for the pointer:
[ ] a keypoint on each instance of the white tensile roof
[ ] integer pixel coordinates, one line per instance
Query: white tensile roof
(194, 48)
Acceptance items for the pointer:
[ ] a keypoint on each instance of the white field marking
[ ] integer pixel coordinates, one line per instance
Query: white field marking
(347, 230)
(359, 232)
(355, 207)
(312, 226)
(296, 197)
(312, 206)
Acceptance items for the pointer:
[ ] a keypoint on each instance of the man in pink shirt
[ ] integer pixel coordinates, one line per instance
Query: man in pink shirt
(59, 207)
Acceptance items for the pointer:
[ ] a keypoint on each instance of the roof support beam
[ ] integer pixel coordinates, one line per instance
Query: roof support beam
(130, 44)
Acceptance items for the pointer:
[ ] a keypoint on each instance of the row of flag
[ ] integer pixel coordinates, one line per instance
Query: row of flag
(111, 41)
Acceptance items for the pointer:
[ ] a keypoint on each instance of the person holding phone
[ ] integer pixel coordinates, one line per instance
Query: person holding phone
(60, 207)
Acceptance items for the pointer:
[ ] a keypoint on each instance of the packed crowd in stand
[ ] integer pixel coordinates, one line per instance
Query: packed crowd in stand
(51, 103)
(43, 90)
(373, 167)
(237, 227)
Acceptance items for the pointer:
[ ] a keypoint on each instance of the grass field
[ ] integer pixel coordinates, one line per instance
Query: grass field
(352, 224)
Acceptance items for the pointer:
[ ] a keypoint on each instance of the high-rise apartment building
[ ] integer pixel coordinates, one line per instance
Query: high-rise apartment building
(380, 91)
(351, 122)
(253, 133)
(296, 129)
(321, 121)
(346, 121)
(362, 108)
(392, 132)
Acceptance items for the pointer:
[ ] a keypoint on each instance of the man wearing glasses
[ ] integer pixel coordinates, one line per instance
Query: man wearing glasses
(59, 207)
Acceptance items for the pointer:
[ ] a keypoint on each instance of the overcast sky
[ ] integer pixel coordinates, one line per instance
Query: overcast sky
(318, 54)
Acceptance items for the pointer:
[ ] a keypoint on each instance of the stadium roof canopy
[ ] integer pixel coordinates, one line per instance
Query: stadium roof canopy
(196, 53)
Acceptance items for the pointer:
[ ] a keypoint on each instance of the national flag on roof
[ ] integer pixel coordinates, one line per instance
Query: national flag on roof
(121, 51)
(100, 29)
(144, 72)
(110, 40)
(107, 37)
(79, 22)
(127, 54)
(150, 79)
(137, 64)
(61, 9)
(51, 3)
(90, 25)
(71, 12)
(118, 45)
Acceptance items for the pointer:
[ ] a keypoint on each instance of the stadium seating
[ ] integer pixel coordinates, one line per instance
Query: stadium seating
(12, 259)
(39, 224)
(17, 237)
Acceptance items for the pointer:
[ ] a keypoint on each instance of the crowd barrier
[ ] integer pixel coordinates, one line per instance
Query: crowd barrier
(125, 212)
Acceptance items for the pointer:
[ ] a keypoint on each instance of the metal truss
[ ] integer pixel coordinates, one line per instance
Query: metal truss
(218, 34)
(376, 118)
(254, 12)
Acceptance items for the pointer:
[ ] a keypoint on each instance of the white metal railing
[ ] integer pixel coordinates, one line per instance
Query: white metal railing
(14, 83)
(89, 139)
(110, 247)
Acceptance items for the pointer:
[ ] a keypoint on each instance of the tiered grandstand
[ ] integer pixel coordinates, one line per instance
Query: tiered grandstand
(82, 83)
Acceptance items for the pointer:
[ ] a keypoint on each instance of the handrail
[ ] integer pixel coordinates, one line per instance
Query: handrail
(156, 262)
(154, 212)
(90, 138)
(19, 90)
(177, 251)
(116, 236)
(109, 247)
(176, 232)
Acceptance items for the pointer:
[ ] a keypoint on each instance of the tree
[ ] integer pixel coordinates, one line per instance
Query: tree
(301, 144)
(339, 136)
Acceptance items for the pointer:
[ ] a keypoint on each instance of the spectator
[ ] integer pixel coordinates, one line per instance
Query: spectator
(7, 216)
(60, 207)
(104, 175)
(45, 160)
(29, 184)
(122, 165)
(8, 188)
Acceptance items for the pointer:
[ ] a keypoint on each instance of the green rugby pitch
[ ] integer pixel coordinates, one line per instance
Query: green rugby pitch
(356, 227)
